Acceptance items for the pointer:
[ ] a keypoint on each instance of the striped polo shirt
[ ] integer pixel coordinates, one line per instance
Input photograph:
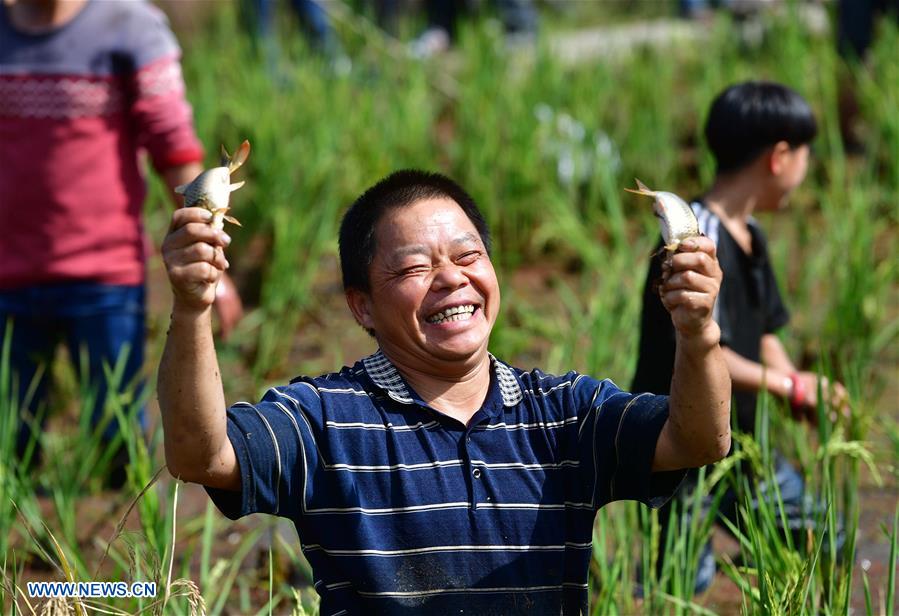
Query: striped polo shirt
(402, 509)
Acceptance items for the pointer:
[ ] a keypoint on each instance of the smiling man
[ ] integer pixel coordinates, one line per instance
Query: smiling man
(432, 475)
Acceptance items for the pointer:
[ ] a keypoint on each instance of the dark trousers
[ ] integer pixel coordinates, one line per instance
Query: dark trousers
(855, 24)
(312, 18)
(100, 320)
(518, 16)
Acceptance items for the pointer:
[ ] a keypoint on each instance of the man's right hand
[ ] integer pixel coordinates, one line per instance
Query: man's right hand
(189, 386)
(194, 258)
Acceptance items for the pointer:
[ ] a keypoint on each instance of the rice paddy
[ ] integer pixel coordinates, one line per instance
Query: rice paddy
(546, 148)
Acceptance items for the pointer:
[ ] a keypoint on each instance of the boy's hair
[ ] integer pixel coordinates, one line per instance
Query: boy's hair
(749, 117)
(399, 189)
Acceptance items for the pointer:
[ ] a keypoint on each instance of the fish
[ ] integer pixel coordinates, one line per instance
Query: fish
(676, 218)
(212, 188)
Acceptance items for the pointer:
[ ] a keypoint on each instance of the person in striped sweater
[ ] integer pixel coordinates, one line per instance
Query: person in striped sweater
(88, 88)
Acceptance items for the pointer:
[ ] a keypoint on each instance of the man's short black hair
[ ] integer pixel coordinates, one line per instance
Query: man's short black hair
(399, 189)
(749, 117)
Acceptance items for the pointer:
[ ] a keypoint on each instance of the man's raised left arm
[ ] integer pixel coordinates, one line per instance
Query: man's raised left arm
(697, 431)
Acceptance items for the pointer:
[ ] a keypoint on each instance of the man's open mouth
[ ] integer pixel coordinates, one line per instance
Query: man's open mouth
(455, 313)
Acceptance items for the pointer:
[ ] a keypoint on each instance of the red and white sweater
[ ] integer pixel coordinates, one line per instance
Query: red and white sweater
(79, 106)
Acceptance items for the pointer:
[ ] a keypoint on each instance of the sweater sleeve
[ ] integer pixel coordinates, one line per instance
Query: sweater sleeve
(163, 117)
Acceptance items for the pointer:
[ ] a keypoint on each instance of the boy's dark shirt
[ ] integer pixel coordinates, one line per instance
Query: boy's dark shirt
(749, 306)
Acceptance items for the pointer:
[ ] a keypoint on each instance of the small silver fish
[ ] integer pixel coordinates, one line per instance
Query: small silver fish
(212, 189)
(677, 219)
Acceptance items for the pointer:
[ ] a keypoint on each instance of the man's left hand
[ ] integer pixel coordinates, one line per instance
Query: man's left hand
(691, 279)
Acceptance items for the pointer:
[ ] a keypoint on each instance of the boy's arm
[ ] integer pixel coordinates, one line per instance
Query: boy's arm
(774, 355)
(748, 375)
(782, 379)
(697, 431)
(189, 386)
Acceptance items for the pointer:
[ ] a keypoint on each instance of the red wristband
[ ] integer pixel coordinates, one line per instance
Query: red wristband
(798, 393)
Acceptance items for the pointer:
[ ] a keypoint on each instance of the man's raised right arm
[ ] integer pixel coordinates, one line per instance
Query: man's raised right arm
(191, 397)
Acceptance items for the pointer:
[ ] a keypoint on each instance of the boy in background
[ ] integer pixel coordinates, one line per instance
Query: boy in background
(759, 134)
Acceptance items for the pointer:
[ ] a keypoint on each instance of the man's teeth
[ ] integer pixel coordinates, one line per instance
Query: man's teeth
(456, 313)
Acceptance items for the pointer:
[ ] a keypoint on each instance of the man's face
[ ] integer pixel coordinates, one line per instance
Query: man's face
(429, 262)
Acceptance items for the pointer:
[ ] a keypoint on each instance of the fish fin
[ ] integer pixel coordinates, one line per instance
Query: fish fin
(235, 186)
(225, 158)
(666, 249)
(643, 186)
(233, 220)
(240, 156)
(642, 189)
(181, 189)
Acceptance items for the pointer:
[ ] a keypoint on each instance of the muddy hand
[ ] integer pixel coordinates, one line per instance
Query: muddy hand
(194, 256)
(691, 279)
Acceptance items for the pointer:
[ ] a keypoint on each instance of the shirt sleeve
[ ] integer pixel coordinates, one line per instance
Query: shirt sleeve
(275, 448)
(163, 117)
(617, 441)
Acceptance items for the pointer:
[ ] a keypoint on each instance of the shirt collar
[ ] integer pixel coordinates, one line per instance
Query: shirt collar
(384, 374)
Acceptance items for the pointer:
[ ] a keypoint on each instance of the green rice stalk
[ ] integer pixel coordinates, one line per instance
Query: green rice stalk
(892, 563)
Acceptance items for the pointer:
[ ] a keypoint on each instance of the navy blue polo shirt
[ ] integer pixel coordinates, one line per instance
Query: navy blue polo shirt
(401, 509)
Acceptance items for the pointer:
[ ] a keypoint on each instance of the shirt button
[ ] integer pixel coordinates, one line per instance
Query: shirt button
(468, 439)
(476, 473)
